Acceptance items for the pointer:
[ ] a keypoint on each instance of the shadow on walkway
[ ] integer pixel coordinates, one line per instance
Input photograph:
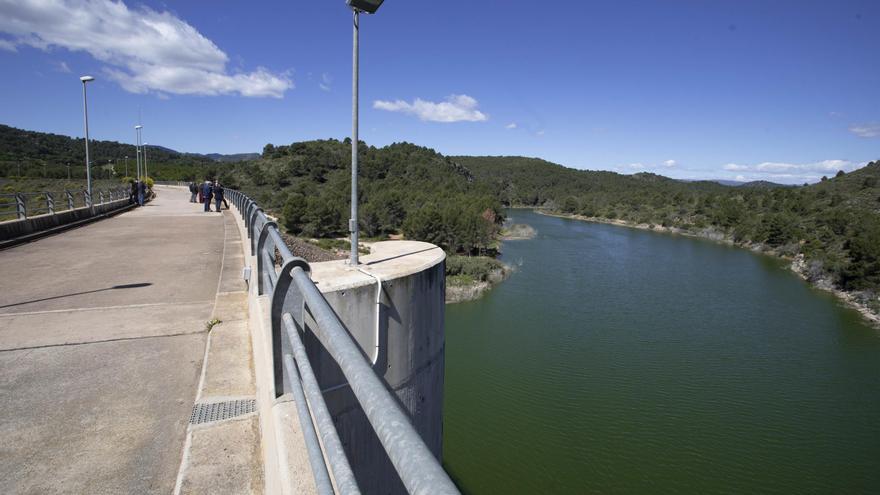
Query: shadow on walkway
(115, 287)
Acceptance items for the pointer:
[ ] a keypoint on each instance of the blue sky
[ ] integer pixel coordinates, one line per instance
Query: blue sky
(779, 90)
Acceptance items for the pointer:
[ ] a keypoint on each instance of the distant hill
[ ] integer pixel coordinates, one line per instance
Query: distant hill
(237, 157)
(40, 154)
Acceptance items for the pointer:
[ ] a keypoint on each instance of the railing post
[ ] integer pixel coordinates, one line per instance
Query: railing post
(255, 214)
(50, 203)
(20, 208)
(261, 262)
(100, 197)
(69, 200)
(87, 198)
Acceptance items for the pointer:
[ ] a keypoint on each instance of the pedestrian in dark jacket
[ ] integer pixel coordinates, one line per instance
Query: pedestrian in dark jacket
(207, 192)
(194, 191)
(142, 191)
(218, 194)
(133, 193)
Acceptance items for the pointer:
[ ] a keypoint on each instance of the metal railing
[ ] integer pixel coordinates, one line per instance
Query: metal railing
(293, 295)
(21, 205)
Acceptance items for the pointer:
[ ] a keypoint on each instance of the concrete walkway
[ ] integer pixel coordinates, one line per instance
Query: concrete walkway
(102, 337)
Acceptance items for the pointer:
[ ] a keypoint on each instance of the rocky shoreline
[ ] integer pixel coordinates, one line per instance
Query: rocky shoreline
(817, 279)
(518, 232)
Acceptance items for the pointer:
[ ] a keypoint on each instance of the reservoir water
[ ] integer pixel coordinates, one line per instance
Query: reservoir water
(617, 360)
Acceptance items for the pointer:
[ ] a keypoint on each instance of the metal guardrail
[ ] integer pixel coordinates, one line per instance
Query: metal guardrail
(22, 205)
(293, 296)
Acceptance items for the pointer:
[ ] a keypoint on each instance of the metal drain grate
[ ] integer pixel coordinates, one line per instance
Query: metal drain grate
(218, 411)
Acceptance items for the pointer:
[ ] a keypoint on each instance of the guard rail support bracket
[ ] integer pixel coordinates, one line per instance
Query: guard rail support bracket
(284, 300)
(261, 268)
(20, 207)
(255, 214)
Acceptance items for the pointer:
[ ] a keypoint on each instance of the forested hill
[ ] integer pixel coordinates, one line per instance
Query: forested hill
(521, 181)
(834, 224)
(40, 154)
(403, 188)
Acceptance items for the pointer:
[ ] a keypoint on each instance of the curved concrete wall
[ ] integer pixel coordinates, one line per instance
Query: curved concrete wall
(410, 353)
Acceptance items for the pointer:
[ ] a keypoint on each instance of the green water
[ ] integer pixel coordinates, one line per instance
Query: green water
(622, 361)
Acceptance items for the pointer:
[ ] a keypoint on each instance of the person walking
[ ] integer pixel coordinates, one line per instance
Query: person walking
(142, 191)
(207, 191)
(218, 195)
(194, 191)
(132, 194)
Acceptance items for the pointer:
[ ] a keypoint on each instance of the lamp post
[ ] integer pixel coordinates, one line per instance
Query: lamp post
(126, 165)
(137, 146)
(370, 7)
(85, 80)
(146, 173)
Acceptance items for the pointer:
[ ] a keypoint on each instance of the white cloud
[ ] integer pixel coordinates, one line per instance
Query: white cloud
(326, 82)
(540, 133)
(144, 50)
(511, 125)
(636, 166)
(865, 130)
(740, 178)
(792, 173)
(669, 163)
(8, 46)
(63, 67)
(456, 108)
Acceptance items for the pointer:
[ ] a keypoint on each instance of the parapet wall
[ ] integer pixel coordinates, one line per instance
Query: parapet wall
(16, 230)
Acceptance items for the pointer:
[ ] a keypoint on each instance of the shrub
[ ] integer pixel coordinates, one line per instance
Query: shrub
(476, 267)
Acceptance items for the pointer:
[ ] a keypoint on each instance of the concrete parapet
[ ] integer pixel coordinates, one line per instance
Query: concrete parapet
(15, 231)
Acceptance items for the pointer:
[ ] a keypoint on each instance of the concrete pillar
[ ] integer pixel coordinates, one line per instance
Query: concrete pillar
(410, 353)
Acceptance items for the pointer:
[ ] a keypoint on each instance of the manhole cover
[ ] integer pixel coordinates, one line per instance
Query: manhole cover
(218, 411)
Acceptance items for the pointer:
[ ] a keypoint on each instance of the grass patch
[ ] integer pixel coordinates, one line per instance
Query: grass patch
(459, 280)
(471, 268)
(210, 324)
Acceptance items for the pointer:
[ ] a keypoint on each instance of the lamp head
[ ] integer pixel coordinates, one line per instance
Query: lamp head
(368, 6)
(138, 127)
(86, 79)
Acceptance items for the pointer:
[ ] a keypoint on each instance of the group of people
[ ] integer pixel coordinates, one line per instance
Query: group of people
(138, 192)
(207, 191)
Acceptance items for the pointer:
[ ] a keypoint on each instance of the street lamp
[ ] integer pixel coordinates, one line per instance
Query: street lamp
(370, 7)
(85, 80)
(126, 165)
(146, 173)
(137, 146)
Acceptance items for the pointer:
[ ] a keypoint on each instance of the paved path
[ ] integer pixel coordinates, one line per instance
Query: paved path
(102, 336)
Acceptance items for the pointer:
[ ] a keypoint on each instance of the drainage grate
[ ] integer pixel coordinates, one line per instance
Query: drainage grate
(218, 411)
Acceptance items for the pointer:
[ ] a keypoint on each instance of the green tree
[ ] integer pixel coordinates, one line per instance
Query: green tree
(294, 212)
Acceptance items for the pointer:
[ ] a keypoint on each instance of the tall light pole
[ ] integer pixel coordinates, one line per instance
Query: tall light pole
(146, 173)
(370, 7)
(137, 146)
(126, 165)
(85, 80)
